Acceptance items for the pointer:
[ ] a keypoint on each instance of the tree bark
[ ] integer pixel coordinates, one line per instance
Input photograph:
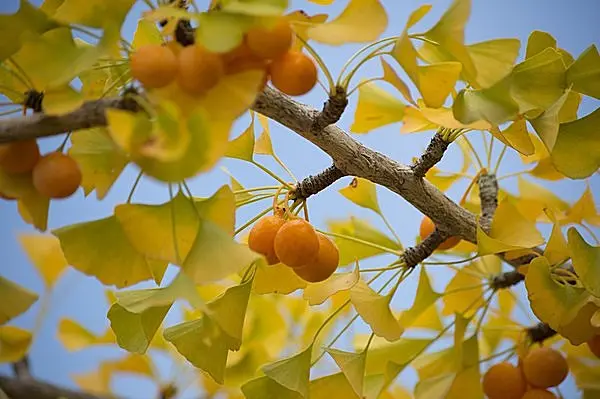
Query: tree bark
(31, 389)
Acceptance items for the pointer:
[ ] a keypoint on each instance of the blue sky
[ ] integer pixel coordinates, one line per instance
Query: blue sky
(572, 23)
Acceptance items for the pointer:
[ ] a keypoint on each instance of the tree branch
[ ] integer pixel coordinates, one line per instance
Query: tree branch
(332, 110)
(412, 256)
(488, 195)
(506, 280)
(432, 155)
(540, 332)
(31, 389)
(21, 368)
(313, 184)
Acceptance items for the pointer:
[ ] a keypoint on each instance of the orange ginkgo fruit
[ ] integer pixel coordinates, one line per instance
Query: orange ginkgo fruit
(296, 243)
(270, 42)
(294, 73)
(539, 394)
(504, 381)
(262, 237)
(323, 265)
(545, 367)
(19, 156)
(56, 175)
(594, 345)
(427, 227)
(199, 69)
(242, 59)
(154, 65)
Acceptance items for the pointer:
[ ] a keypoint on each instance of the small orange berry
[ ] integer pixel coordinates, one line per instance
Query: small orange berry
(594, 345)
(199, 69)
(296, 243)
(324, 265)
(545, 367)
(241, 59)
(539, 394)
(294, 73)
(270, 42)
(155, 66)
(262, 236)
(504, 381)
(427, 227)
(56, 175)
(19, 156)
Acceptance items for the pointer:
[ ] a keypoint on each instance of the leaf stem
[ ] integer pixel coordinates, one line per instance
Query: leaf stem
(468, 142)
(391, 229)
(488, 302)
(250, 190)
(358, 240)
(254, 219)
(360, 51)
(135, 184)
(452, 262)
(174, 225)
(270, 173)
(284, 166)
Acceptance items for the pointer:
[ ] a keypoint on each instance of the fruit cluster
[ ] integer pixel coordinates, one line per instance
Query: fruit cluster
(540, 369)
(427, 227)
(54, 175)
(295, 243)
(197, 70)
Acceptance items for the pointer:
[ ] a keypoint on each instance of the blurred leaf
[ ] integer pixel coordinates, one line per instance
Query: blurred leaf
(278, 279)
(242, 147)
(352, 365)
(95, 13)
(586, 259)
(14, 343)
(46, 255)
(75, 337)
(464, 293)
(318, 293)
(375, 310)
(135, 331)
(292, 372)
(423, 313)
(14, 300)
(376, 108)
(265, 387)
(146, 33)
(584, 209)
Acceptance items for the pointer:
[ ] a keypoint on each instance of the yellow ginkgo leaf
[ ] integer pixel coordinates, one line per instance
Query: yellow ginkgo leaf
(352, 366)
(292, 372)
(95, 14)
(583, 210)
(518, 137)
(242, 147)
(14, 300)
(75, 337)
(45, 253)
(390, 76)
(445, 117)
(583, 74)
(375, 108)
(146, 33)
(423, 313)
(556, 250)
(318, 293)
(510, 231)
(436, 81)
(375, 310)
(263, 143)
(14, 343)
(586, 259)
(361, 21)
(493, 60)
(381, 352)
(278, 278)
(32, 206)
(363, 193)
(464, 293)
(535, 199)
(414, 121)
(547, 124)
(264, 387)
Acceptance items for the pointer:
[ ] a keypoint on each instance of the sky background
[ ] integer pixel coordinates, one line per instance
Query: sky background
(572, 23)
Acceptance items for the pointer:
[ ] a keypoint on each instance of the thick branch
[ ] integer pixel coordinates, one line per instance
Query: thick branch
(506, 280)
(412, 256)
(332, 110)
(488, 195)
(432, 155)
(31, 389)
(313, 184)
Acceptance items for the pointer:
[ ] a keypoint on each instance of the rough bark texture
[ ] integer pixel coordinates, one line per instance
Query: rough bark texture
(507, 279)
(412, 256)
(540, 332)
(432, 155)
(488, 195)
(313, 184)
(332, 110)
(30, 389)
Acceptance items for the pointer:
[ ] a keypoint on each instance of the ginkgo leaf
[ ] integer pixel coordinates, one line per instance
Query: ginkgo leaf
(278, 279)
(292, 372)
(583, 210)
(263, 143)
(352, 365)
(390, 76)
(586, 259)
(75, 337)
(375, 310)
(134, 331)
(101, 161)
(46, 255)
(572, 136)
(350, 251)
(14, 300)
(556, 250)
(363, 193)
(95, 14)
(100, 248)
(149, 227)
(27, 19)
(332, 386)
(535, 199)
(318, 293)
(493, 60)
(570, 108)
(464, 293)
(265, 387)
(539, 41)
(215, 254)
(362, 21)
(32, 206)
(242, 147)
(584, 73)
(510, 231)
(400, 352)
(547, 124)
(61, 99)
(146, 33)
(436, 81)
(256, 7)
(423, 312)
(14, 343)
(414, 121)
(301, 23)
(493, 104)
(518, 137)
(375, 108)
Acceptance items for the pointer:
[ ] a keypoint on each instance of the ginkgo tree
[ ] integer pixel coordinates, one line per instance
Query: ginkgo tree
(267, 298)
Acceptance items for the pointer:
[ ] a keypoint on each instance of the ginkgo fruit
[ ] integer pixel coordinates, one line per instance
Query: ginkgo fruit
(242, 59)
(427, 227)
(538, 394)
(56, 175)
(19, 156)
(262, 237)
(594, 345)
(296, 243)
(545, 367)
(324, 265)
(294, 73)
(199, 69)
(154, 65)
(270, 42)
(504, 381)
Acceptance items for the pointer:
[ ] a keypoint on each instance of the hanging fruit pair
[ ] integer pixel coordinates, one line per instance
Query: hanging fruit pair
(295, 243)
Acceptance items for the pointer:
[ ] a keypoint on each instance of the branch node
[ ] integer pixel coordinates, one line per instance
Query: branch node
(33, 100)
(412, 256)
(540, 332)
(432, 155)
(21, 369)
(314, 184)
(506, 280)
(332, 111)
(488, 196)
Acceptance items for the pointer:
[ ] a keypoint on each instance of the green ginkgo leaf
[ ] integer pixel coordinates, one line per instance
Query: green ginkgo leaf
(376, 108)
(381, 353)
(493, 59)
(265, 387)
(95, 13)
(220, 32)
(584, 73)
(292, 372)
(14, 300)
(375, 310)
(352, 365)
(586, 259)
(547, 124)
(363, 193)
(494, 104)
(101, 249)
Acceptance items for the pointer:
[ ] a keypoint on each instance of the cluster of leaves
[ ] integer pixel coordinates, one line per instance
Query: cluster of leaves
(239, 316)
